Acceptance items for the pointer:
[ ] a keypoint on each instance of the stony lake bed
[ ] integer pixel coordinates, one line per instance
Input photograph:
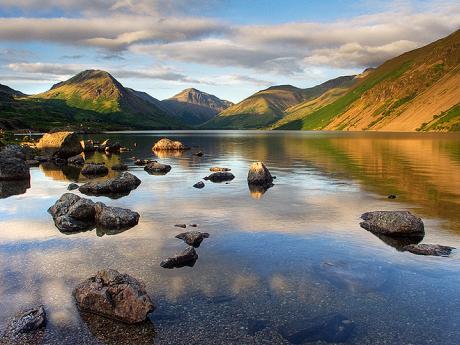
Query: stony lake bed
(285, 265)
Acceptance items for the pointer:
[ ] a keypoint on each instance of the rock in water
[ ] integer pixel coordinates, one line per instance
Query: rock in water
(393, 223)
(76, 160)
(115, 217)
(193, 238)
(28, 321)
(87, 145)
(187, 258)
(60, 144)
(330, 328)
(94, 169)
(72, 213)
(429, 249)
(217, 169)
(198, 154)
(157, 168)
(114, 295)
(110, 147)
(259, 175)
(199, 185)
(72, 186)
(12, 169)
(10, 188)
(220, 177)
(119, 167)
(120, 185)
(166, 144)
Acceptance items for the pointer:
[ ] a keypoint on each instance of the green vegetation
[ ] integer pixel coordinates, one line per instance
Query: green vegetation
(445, 121)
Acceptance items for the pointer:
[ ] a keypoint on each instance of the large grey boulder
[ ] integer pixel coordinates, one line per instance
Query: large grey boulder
(12, 169)
(393, 223)
(166, 144)
(72, 213)
(60, 144)
(259, 175)
(114, 295)
(115, 217)
(122, 184)
(187, 257)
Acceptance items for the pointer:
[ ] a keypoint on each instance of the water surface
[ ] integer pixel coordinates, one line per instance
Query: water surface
(295, 251)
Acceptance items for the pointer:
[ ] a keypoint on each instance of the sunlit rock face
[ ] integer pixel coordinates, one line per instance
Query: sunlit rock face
(60, 144)
(166, 144)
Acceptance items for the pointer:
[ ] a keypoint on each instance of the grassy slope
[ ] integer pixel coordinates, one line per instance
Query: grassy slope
(391, 90)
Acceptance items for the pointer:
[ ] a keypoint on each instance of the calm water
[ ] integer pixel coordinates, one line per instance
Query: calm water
(293, 252)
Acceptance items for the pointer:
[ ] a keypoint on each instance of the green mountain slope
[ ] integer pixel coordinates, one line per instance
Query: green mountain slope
(268, 106)
(415, 91)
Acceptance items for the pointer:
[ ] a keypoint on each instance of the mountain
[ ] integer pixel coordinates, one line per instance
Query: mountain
(268, 106)
(92, 98)
(416, 91)
(193, 107)
(8, 92)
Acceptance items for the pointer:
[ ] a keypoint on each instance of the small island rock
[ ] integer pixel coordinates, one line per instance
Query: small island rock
(193, 238)
(187, 257)
(393, 223)
(166, 144)
(259, 175)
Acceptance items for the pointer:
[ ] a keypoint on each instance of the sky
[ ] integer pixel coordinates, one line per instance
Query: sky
(229, 48)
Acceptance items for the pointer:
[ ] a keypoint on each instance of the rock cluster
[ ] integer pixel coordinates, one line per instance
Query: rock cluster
(114, 295)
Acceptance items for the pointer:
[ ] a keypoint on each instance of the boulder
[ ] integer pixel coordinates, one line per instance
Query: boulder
(259, 175)
(119, 167)
(199, 185)
(157, 168)
(334, 328)
(10, 188)
(193, 238)
(220, 177)
(187, 257)
(114, 295)
(72, 213)
(166, 144)
(429, 249)
(94, 169)
(27, 322)
(72, 186)
(88, 146)
(122, 184)
(60, 144)
(115, 217)
(77, 160)
(12, 169)
(393, 223)
(13, 151)
(257, 191)
(217, 169)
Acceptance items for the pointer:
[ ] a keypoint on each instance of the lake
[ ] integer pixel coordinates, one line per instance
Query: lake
(293, 252)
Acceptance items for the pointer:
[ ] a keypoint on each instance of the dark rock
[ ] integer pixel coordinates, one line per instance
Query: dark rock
(13, 151)
(76, 160)
(26, 328)
(32, 163)
(199, 185)
(330, 328)
(193, 225)
(72, 186)
(110, 147)
(120, 185)
(88, 146)
(157, 168)
(220, 177)
(181, 225)
(119, 167)
(42, 159)
(168, 145)
(393, 223)
(391, 196)
(10, 188)
(12, 169)
(429, 249)
(217, 169)
(141, 162)
(399, 242)
(115, 217)
(72, 213)
(114, 295)
(198, 154)
(193, 238)
(187, 258)
(94, 169)
(60, 144)
(259, 175)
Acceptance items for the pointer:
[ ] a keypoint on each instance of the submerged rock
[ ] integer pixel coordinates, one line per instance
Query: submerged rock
(429, 249)
(115, 217)
(119, 185)
(28, 321)
(94, 169)
(393, 223)
(119, 167)
(334, 328)
(220, 177)
(166, 144)
(199, 185)
(187, 257)
(217, 169)
(193, 238)
(157, 168)
(259, 175)
(60, 144)
(114, 295)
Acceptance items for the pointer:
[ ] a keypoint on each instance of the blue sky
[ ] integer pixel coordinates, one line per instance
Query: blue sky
(230, 48)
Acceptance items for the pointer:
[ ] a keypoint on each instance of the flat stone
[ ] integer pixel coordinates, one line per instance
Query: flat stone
(220, 177)
(393, 223)
(157, 168)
